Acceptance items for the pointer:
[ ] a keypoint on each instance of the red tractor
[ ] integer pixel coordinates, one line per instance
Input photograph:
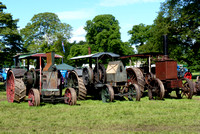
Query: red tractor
(44, 83)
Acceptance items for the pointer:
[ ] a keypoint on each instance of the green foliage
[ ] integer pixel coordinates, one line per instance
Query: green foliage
(103, 34)
(139, 34)
(10, 40)
(43, 33)
(179, 19)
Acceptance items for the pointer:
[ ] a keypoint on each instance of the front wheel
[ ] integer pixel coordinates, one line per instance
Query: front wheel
(107, 93)
(187, 89)
(156, 89)
(70, 96)
(134, 92)
(34, 97)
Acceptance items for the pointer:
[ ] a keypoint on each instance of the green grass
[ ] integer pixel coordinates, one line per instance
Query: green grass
(93, 116)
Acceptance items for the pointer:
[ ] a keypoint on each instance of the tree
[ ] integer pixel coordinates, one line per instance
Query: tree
(179, 19)
(43, 31)
(139, 34)
(182, 19)
(10, 40)
(103, 34)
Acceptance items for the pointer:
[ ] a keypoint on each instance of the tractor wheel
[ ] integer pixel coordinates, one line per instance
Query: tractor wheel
(135, 76)
(107, 93)
(101, 71)
(87, 75)
(187, 89)
(15, 88)
(156, 89)
(34, 97)
(76, 82)
(134, 92)
(188, 75)
(70, 96)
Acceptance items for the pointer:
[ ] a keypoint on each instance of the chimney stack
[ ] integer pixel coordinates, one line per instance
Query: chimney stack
(165, 49)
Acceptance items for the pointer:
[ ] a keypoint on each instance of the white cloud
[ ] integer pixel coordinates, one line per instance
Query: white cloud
(75, 15)
(78, 35)
(113, 3)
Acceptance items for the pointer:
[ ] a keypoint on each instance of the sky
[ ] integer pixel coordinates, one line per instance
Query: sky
(77, 12)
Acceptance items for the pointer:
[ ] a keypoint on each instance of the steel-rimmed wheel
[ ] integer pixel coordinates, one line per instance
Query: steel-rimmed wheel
(107, 93)
(135, 76)
(187, 89)
(134, 92)
(87, 75)
(34, 97)
(70, 96)
(156, 89)
(73, 81)
(15, 88)
(101, 71)
(188, 75)
(10, 86)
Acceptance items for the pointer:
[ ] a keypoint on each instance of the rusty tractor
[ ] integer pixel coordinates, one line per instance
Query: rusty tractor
(44, 83)
(103, 82)
(163, 80)
(145, 78)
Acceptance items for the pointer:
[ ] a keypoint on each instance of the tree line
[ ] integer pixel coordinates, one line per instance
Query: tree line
(179, 19)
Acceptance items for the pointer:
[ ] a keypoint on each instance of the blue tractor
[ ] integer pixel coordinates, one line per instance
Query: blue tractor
(3, 75)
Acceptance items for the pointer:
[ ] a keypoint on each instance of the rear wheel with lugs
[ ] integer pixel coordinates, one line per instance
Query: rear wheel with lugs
(15, 88)
(135, 76)
(77, 83)
(70, 96)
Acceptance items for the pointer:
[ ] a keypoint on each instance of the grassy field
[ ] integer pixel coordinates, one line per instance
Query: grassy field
(92, 116)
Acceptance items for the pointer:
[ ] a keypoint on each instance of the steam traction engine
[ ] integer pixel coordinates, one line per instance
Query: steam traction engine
(165, 79)
(107, 83)
(166, 71)
(40, 84)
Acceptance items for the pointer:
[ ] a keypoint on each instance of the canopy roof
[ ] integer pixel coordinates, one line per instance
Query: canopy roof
(35, 55)
(97, 55)
(64, 67)
(143, 55)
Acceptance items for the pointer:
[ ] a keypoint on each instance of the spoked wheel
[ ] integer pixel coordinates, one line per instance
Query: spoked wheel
(135, 75)
(134, 92)
(76, 82)
(188, 75)
(70, 96)
(156, 89)
(107, 93)
(87, 75)
(99, 74)
(15, 88)
(34, 97)
(187, 89)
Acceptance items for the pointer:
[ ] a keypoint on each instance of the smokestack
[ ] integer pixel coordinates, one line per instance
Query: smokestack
(89, 50)
(50, 61)
(165, 49)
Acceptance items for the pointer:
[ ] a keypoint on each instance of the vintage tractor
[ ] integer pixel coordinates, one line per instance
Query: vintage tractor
(145, 76)
(107, 83)
(165, 74)
(40, 84)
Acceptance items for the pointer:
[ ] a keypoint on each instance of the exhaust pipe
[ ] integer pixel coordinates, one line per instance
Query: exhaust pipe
(165, 48)
(50, 61)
